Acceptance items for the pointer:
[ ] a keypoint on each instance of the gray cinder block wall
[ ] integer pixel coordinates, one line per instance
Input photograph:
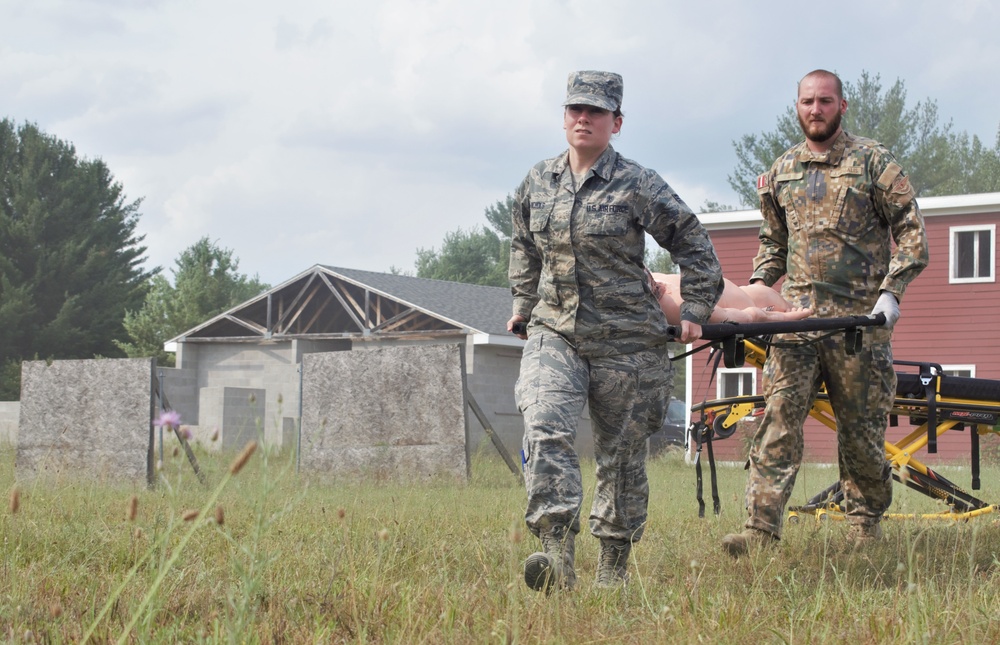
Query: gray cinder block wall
(10, 411)
(491, 380)
(220, 370)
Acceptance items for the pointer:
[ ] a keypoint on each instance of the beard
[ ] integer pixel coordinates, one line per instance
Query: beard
(824, 132)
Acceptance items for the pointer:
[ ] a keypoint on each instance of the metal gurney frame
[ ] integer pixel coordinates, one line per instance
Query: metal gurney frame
(934, 403)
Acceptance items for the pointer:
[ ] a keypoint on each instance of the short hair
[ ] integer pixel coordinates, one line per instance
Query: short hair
(828, 74)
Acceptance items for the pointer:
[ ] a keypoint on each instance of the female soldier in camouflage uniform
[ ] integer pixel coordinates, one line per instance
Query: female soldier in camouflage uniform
(595, 332)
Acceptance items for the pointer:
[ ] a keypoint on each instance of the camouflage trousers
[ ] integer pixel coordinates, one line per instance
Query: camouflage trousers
(861, 389)
(628, 396)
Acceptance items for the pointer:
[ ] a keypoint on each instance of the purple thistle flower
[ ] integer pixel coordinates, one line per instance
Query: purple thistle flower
(168, 418)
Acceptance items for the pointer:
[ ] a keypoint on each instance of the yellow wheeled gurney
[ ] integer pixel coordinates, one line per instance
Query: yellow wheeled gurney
(929, 400)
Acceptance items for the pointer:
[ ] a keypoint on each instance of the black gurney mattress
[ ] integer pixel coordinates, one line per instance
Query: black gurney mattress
(952, 387)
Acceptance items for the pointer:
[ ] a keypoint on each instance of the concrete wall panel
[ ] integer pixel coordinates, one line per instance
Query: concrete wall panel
(393, 412)
(89, 417)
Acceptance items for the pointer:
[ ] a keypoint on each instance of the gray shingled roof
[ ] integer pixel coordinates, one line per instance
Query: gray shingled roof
(484, 309)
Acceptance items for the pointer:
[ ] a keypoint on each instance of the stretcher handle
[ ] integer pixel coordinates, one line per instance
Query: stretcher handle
(719, 331)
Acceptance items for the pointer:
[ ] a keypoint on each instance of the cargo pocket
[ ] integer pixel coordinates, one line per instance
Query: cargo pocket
(629, 296)
(613, 224)
(547, 290)
(526, 387)
(792, 219)
(853, 210)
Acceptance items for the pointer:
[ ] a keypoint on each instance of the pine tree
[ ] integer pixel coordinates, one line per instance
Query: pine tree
(70, 259)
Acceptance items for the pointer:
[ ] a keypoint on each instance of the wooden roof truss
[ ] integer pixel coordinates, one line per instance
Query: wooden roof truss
(322, 306)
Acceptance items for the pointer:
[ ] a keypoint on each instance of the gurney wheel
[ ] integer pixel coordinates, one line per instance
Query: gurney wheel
(793, 517)
(720, 430)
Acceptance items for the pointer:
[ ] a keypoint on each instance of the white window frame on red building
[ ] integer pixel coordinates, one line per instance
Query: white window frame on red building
(980, 273)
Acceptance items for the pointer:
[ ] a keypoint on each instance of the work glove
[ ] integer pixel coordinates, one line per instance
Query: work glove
(888, 305)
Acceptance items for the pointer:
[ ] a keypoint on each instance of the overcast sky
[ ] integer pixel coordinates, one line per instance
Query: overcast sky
(310, 132)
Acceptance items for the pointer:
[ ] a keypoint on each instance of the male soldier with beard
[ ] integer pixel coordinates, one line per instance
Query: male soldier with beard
(832, 205)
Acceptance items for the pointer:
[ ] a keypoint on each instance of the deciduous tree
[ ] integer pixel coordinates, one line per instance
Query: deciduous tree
(477, 256)
(206, 283)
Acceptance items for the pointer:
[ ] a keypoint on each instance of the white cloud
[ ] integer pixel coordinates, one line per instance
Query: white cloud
(354, 133)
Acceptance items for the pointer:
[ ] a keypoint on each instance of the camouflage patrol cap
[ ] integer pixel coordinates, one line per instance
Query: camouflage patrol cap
(600, 89)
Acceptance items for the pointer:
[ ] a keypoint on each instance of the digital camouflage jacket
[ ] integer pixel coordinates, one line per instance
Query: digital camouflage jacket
(576, 259)
(829, 221)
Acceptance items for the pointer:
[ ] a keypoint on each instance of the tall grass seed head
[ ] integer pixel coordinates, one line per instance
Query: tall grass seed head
(242, 458)
(133, 508)
(15, 500)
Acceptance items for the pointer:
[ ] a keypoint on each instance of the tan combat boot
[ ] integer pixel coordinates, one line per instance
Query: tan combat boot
(612, 565)
(737, 544)
(552, 568)
(861, 535)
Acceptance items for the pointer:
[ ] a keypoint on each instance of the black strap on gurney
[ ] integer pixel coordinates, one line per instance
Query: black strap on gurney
(732, 335)
(939, 392)
(703, 436)
(924, 384)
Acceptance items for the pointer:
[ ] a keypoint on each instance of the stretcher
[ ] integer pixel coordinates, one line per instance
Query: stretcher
(930, 401)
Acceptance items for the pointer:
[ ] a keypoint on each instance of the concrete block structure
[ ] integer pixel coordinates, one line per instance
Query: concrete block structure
(10, 412)
(260, 345)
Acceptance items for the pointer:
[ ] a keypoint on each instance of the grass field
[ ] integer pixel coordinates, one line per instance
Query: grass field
(298, 561)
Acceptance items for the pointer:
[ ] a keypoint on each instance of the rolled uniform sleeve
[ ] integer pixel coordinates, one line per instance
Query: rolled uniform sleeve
(676, 228)
(895, 200)
(772, 255)
(525, 262)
